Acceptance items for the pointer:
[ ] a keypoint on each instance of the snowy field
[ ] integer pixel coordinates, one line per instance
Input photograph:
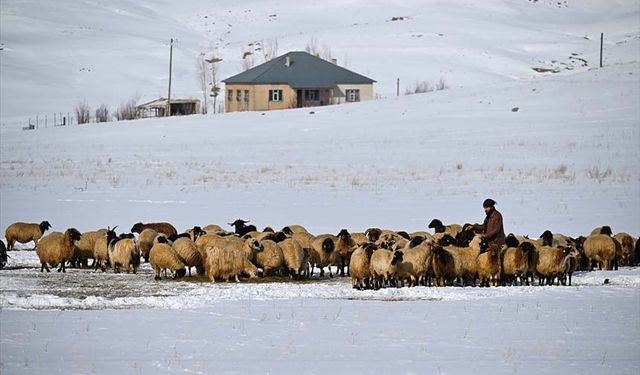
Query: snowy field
(557, 151)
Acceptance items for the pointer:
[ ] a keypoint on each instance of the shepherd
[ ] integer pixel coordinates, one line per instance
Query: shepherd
(492, 228)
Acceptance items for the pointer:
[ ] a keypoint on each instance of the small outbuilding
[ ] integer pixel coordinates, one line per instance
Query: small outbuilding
(294, 80)
(158, 107)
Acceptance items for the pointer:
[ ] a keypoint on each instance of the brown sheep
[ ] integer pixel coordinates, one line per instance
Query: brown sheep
(57, 248)
(489, 266)
(600, 248)
(322, 253)
(295, 258)
(101, 250)
(83, 249)
(126, 253)
(271, 259)
(515, 263)
(626, 248)
(603, 230)
(445, 266)
(552, 263)
(162, 257)
(290, 230)
(383, 265)
(468, 257)
(145, 241)
(416, 263)
(451, 229)
(360, 266)
(165, 228)
(188, 254)
(227, 263)
(25, 232)
(345, 246)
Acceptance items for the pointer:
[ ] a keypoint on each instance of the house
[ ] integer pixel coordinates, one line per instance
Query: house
(293, 80)
(158, 107)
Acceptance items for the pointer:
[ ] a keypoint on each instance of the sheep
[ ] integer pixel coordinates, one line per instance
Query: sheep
(438, 227)
(165, 228)
(241, 229)
(57, 248)
(599, 248)
(271, 259)
(392, 238)
(145, 241)
(555, 239)
(295, 258)
(188, 254)
(444, 240)
(101, 249)
(603, 230)
(322, 253)
(226, 263)
(304, 239)
(373, 234)
(290, 230)
(416, 262)
(468, 256)
(511, 240)
(25, 232)
(124, 252)
(551, 263)
(445, 266)
(162, 256)
(635, 259)
(515, 262)
(213, 228)
(83, 249)
(573, 261)
(626, 248)
(359, 238)
(383, 266)
(345, 245)
(360, 266)
(421, 233)
(3, 255)
(489, 266)
(249, 246)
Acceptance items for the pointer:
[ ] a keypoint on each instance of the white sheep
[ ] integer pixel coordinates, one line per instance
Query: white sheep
(271, 259)
(57, 248)
(383, 266)
(145, 241)
(126, 253)
(416, 263)
(227, 263)
(360, 266)
(599, 248)
(295, 258)
(552, 263)
(25, 232)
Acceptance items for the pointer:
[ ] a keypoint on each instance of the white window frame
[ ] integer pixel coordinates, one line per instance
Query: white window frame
(353, 95)
(275, 95)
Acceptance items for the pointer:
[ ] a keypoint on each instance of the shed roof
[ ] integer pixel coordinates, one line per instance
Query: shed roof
(304, 71)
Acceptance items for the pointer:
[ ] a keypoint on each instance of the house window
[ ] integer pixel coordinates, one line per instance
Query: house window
(238, 95)
(312, 95)
(275, 95)
(229, 96)
(353, 95)
(246, 96)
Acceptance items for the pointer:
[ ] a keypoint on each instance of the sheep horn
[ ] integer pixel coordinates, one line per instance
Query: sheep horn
(114, 228)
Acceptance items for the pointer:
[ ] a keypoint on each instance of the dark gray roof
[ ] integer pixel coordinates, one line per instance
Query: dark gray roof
(305, 71)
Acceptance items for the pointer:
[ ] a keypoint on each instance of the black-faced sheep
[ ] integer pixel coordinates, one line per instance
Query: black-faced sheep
(451, 229)
(468, 257)
(124, 251)
(511, 240)
(373, 234)
(383, 266)
(228, 263)
(165, 228)
(162, 257)
(489, 266)
(290, 230)
(188, 254)
(345, 246)
(83, 250)
(599, 248)
(57, 248)
(606, 230)
(360, 266)
(25, 232)
(241, 228)
(322, 253)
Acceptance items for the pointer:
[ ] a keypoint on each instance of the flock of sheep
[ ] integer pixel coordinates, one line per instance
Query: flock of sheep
(375, 258)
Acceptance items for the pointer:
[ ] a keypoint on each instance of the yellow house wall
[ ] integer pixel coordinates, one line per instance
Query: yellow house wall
(366, 92)
(259, 98)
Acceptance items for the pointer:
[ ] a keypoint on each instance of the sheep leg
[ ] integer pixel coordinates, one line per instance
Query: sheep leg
(44, 267)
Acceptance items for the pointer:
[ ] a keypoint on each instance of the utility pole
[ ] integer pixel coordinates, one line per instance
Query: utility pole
(168, 112)
(398, 87)
(601, 42)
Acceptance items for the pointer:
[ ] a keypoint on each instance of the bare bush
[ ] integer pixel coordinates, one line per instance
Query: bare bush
(424, 86)
(312, 47)
(270, 49)
(127, 110)
(83, 112)
(247, 60)
(102, 113)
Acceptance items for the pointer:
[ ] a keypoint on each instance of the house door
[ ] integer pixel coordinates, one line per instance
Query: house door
(299, 98)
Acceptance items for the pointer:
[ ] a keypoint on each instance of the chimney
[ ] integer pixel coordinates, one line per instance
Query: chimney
(287, 61)
(334, 61)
